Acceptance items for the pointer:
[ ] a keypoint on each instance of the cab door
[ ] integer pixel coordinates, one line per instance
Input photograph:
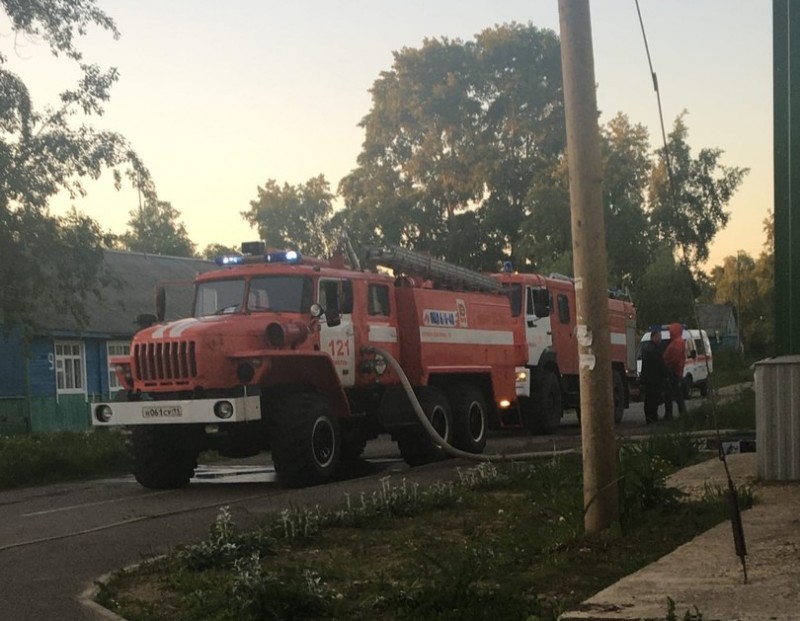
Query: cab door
(538, 329)
(335, 295)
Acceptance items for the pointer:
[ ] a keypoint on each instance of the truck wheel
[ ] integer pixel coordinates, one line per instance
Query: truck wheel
(618, 388)
(469, 418)
(162, 457)
(704, 389)
(415, 443)
(306, 442)
(543, 411)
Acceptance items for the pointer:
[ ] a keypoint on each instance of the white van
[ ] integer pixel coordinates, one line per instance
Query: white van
(699, 359)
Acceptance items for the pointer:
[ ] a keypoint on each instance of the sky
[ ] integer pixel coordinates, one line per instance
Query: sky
(218, 98)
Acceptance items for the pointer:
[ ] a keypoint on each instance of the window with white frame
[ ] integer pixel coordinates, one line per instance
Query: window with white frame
(69, 367)
(116, 348)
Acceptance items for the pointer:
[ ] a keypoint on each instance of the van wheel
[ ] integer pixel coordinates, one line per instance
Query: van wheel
(704, 389)
(416, 445)
(543, 411)
(469, 418)
(306, 441)
(618, 387)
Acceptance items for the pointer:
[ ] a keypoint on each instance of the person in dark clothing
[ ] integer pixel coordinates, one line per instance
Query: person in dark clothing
(653, 375)
(674, 360)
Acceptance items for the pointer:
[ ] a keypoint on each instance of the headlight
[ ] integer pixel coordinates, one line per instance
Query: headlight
(103, 413)
(223, 409)
(522, 376)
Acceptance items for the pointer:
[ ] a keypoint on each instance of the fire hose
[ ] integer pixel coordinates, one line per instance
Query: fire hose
(447, 447)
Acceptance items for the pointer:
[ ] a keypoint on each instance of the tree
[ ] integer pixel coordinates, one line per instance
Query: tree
(294, 216)
(456, 133)
(688, 197)
(666, 291)
(51, 260)
(212, 251)
(749, 285)
(155, 229)
(627, 165)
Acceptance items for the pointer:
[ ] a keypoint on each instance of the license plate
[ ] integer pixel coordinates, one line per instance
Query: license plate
(172, 411)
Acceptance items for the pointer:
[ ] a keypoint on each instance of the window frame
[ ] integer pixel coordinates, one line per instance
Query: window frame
(69, 360)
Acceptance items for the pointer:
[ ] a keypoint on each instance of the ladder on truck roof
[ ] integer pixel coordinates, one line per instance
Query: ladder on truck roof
(443, 274)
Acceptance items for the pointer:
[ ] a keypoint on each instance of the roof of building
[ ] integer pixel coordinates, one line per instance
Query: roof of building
(128, 288)
(715, 317)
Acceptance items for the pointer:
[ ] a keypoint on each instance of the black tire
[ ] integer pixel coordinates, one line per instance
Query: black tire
(618, 387)
(470, 421)
(163, 457)
(542, 412)
(704, 389)
(305, 439)
(416, 445)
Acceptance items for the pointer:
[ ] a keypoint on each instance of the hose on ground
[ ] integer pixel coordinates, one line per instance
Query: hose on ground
(498, 457)
(448, 448)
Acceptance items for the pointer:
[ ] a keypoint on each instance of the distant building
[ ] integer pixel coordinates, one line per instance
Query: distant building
(48, 378)
(720, 322)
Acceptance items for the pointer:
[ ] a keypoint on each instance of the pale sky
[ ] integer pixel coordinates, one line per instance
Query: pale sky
(219, 97)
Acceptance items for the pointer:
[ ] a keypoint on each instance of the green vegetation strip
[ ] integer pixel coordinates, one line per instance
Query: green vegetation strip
(503, 543)
(41, 458)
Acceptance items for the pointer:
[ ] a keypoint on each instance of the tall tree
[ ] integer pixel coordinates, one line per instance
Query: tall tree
(155, 229)
(291, 216)
(688, 197)
(46, 259)
(458, 128)
(627, 165)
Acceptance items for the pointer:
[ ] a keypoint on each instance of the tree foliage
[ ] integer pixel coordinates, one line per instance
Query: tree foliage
(456, 134)
(155, 229)
(665, 292)
(47, 259)
(291, 216)
(749, 285)
(689, 209)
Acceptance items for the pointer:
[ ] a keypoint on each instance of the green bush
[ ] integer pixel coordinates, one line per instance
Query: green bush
(41, 458)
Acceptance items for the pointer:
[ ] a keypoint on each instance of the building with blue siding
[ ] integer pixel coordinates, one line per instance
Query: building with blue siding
(49, 375)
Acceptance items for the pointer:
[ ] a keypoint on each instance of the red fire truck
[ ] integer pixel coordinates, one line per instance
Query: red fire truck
(278, 355)
(548, 382)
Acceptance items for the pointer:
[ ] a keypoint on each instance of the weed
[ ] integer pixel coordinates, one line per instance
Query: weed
(224, 545)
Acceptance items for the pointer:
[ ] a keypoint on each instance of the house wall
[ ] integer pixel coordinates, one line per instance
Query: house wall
(29, 399)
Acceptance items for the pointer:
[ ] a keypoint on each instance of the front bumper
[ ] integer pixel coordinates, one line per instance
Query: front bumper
(175, 412)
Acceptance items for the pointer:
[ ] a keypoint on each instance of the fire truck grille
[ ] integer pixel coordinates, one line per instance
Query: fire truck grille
(167, 361)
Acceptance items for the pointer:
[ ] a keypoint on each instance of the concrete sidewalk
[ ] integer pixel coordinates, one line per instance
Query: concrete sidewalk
(705, 574)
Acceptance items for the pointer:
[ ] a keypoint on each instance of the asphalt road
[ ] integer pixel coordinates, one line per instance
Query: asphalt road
(56, 540)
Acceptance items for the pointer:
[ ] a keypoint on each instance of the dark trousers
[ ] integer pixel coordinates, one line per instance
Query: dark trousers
(653, 396)
(674, 392)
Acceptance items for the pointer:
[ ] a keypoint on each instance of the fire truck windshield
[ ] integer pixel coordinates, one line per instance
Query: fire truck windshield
(264, 293)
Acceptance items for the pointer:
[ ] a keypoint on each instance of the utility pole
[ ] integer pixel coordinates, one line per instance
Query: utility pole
(600, 493)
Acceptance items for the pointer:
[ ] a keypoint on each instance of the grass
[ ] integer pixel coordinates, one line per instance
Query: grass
(502, 542)
(40, 458)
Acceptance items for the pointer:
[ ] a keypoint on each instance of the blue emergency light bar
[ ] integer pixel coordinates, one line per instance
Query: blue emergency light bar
(284, 256)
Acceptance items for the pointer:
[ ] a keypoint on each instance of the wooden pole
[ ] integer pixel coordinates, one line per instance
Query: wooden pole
(600, 494)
